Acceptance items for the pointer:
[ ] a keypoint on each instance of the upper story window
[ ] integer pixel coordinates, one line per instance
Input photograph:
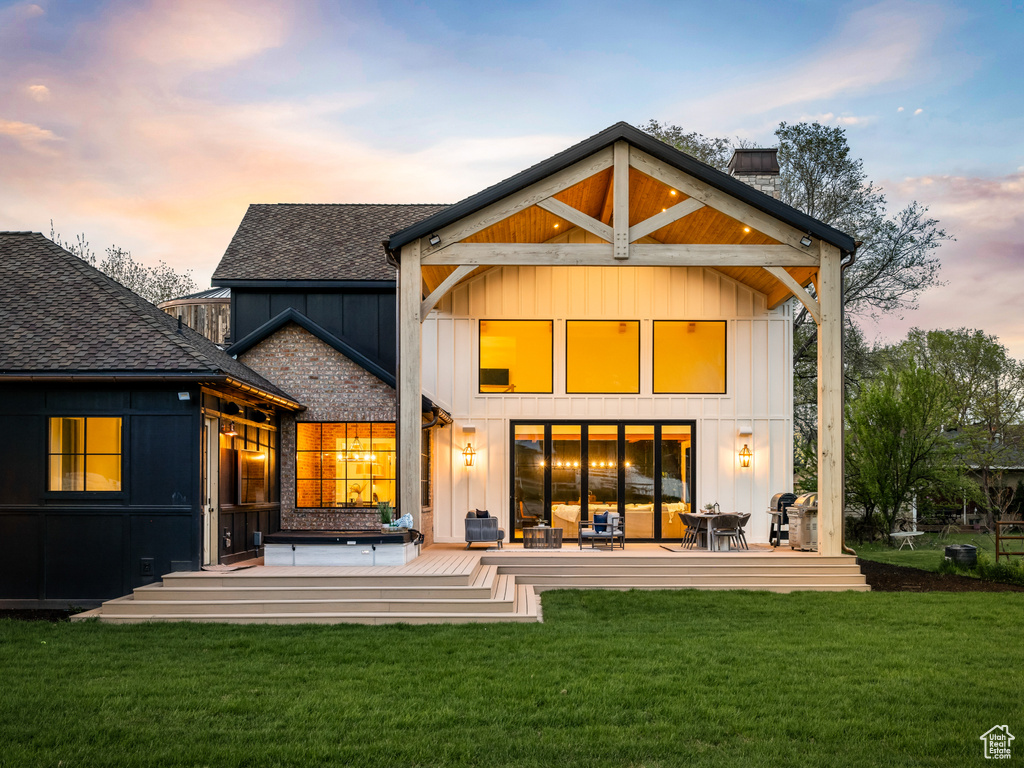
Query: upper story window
(689, 357)
(85, 453)
(602, 356)
(516, 356)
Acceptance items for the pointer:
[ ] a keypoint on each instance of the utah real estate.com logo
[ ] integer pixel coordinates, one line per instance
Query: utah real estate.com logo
(997, 742)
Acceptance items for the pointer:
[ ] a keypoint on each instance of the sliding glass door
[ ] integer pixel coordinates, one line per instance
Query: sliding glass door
(566, 472)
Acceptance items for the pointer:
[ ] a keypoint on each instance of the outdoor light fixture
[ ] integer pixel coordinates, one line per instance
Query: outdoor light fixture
(745, 456)
(469, 455)
(435, 239)
(230, 430)
(805, 241)
(184, 396)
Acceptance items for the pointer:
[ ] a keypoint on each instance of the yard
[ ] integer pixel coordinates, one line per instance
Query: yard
(634, 679)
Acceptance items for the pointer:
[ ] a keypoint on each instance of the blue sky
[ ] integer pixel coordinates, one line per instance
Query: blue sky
(152, 125)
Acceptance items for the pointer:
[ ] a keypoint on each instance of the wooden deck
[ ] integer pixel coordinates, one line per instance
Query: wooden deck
(449, 584)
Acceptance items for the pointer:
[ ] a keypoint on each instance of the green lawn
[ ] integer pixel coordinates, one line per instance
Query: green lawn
(623, 679)
(929, 549)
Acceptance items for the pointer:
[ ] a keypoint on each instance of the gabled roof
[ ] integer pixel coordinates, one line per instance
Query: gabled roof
(323, 242)
(62, 318)
(652, 146)
(292, 315)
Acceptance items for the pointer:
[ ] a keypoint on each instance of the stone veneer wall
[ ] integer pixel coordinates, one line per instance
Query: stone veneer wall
(333, 388)
(762, 182)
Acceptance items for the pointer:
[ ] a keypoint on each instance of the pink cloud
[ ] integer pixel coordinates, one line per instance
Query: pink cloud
(984, 269)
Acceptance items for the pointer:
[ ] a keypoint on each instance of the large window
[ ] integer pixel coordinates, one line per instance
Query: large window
(602, 356)
(85, 453)
(689, 357)
(344, 464)
(515, 356)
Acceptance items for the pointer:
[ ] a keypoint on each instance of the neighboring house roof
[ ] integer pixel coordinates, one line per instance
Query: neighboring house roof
(324, 242)
(652, 146)
(210, 294)
(292, 315)
(62, 318)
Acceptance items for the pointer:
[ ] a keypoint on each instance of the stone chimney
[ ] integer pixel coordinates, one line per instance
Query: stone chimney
(757, 167)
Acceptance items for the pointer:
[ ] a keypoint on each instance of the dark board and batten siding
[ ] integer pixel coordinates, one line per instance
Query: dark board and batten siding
(361, 317)
(71, 548)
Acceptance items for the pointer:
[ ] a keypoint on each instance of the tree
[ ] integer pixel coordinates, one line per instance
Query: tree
(985, 387)
(154, 284)
(896, 448)
(895, 260)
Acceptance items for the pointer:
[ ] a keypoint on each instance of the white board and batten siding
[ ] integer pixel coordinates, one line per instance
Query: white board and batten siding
(758, 384)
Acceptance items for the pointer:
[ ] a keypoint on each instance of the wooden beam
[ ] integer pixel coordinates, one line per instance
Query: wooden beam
(600, 254)
(410, 397)
(663, 219)
(577, 217)
(830, 404)
(620, 216)
(720, 201)
(446, 285)
(521, 200)
(609, 201)
(797, 290)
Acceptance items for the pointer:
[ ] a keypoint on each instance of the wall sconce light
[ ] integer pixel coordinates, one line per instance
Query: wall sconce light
(745, 456)
(434, 239)
(229, 430)
(469, 455)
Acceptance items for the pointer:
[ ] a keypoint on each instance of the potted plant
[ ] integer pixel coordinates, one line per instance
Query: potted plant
(384, 510)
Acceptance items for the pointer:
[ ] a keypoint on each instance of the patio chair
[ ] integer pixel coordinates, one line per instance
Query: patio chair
(483, 530)
(744, 519)
(725, 526)
(693, 527)
(604, 533)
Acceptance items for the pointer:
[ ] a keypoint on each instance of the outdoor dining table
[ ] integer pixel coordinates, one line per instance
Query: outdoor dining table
(708, 519)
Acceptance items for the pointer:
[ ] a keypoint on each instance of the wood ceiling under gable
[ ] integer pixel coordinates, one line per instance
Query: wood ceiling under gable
(647, 197)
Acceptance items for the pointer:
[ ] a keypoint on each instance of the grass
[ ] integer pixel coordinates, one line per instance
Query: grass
(929, 549)
(618, 679)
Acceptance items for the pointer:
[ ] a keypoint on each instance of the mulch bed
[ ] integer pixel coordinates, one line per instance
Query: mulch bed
(897, 578)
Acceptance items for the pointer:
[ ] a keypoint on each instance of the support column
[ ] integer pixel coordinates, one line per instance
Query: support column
(830, 403)
(410, 390)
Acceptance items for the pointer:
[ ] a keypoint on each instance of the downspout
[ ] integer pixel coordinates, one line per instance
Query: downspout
(437, 416)
(843, 266)
(393, 261)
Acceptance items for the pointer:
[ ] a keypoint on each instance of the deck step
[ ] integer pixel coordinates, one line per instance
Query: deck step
(762, 586)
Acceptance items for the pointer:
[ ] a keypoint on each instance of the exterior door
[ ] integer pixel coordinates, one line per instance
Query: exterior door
(211, 490)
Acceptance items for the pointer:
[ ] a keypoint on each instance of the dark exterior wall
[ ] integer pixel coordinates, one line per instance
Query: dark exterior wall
(61, 548)
(332, 388)
(363, 318)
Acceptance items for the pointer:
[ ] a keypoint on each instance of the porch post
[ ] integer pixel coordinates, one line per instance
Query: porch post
(830, 403)
(409, 387)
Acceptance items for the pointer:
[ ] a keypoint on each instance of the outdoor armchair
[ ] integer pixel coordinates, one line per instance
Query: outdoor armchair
(483, 530)
(611, 530)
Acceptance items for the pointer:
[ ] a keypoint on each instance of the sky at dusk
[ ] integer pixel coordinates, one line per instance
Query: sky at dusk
(153, 125)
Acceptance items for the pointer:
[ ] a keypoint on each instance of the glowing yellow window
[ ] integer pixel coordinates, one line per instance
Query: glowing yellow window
(602, 356)
(689, 357)
(515, 356)
(85, 453)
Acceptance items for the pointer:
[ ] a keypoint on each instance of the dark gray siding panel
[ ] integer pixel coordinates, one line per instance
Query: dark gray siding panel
(22, 458)
(162, 539)
(279, 302)
(163, 454)
(248, 312)
(85, 556)
(20, 557)
(78, 401)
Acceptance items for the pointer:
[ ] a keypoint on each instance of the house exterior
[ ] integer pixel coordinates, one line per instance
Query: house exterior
(608, 330)
(133, 446)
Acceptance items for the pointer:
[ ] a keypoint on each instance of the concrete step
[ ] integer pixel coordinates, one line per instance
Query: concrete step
(674, 567)
(682, 580)
(483, 586)
(763, 586)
